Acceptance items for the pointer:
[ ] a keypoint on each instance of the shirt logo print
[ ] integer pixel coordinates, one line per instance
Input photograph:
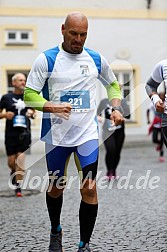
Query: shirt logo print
(84, 70)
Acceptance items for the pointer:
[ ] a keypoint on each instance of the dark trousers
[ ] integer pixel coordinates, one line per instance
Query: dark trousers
(157, 138)
(164, 134)
(113, 145)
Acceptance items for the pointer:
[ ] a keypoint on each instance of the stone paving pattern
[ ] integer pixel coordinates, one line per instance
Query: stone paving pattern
(130, 218)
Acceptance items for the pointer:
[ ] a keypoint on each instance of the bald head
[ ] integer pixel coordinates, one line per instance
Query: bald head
(76, 17)
(74, 32)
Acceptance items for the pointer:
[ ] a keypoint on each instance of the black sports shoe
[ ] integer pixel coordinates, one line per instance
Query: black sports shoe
(56, 243)
(18, 192)
(86, 248)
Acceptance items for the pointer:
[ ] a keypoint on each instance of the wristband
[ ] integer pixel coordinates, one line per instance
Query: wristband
(119, 108)
(155, 98)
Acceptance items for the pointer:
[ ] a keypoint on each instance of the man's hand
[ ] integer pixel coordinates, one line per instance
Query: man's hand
(159, 106)
(9, 115)
(30, 113)
(157, 102)
(62, 110)
(117, 117)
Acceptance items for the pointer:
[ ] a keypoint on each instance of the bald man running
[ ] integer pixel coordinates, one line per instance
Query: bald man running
(67, 76)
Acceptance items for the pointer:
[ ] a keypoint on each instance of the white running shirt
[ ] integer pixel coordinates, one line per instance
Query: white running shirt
(73, 79)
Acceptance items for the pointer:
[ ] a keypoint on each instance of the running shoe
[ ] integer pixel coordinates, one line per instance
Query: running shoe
(161, 159)
(86, 248)
(110, 176)
(18, 192)
(56, 243)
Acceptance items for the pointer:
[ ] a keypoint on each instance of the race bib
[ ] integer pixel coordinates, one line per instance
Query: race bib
(80, 100)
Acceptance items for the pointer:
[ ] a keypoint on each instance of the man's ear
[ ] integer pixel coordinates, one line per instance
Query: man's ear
(13, 83)
(62, 29)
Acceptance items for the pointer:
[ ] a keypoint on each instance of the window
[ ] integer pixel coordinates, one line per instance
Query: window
(18, 37)
(12, 35)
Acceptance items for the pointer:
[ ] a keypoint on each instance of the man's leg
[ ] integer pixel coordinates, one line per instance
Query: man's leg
(119, 140)
(87, 159)
(54, 201)
(54, 194)
(161, 147)
(12, 166)
(54, 205)
(11, 162)
(110, 146)
(88, 212)
(16, 164)
(155, 136)
(164, 134)
(20, 172)
(20, 163)
(164, 140)
(16, 159)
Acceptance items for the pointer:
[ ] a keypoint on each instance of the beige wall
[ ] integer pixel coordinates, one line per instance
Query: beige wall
(87, 4)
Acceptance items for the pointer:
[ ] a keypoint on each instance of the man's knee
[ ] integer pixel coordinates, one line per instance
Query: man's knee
(88, 188)
(55, 191)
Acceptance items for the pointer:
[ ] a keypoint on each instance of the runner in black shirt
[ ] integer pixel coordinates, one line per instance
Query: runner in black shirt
(17, 129)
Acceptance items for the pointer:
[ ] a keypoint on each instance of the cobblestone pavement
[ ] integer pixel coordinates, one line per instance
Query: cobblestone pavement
(132, 210)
